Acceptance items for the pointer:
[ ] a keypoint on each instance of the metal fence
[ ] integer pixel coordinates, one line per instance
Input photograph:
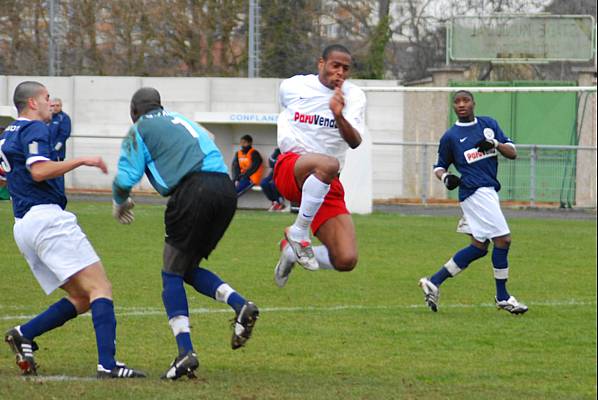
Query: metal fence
(563, 176)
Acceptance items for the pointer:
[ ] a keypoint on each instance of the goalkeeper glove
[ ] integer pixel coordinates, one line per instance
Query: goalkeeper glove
(450, 181)
(123, 212)
(487, 144)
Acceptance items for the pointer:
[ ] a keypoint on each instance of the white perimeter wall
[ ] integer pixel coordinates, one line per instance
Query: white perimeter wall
(99, 108)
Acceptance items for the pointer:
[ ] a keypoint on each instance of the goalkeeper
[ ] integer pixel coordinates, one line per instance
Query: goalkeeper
(181, 161)
(472, 145)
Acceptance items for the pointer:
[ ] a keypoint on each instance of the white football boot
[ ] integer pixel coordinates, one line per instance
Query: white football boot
(511, 305)
(304, 252)
(431, 293)
(284, 267)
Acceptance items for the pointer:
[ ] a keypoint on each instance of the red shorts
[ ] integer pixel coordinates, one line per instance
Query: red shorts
(284, 179)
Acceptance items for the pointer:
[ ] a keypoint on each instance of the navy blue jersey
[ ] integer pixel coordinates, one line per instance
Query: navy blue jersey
(457, 147)
(23, 143)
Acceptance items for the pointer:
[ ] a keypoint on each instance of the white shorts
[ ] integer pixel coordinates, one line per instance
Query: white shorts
(53, 245)
(482, 216)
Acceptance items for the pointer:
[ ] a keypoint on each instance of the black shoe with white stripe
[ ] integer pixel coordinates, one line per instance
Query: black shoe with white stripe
(243, 325)
(23, 349)
(120, 371)
(183, 364)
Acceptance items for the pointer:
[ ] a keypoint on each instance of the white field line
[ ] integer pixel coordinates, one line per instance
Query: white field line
(153, 311)
(58, 378)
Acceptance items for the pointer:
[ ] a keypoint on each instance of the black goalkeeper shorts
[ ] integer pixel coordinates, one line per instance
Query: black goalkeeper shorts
(199, 212)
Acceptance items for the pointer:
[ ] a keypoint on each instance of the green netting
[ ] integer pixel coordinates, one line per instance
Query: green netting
(539, 118)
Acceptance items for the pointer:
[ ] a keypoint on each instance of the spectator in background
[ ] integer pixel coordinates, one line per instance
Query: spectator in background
(3, 191)
(268, 186)
(247, 166)
(59, 127)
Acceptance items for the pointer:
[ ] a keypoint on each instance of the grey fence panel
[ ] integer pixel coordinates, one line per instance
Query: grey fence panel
(563, 176)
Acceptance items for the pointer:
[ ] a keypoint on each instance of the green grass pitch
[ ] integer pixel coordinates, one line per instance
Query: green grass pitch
(327, 335)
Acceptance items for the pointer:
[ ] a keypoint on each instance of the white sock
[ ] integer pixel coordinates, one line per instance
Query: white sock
(312, 197)
(223, 292)
(323, 257)
(179, 324)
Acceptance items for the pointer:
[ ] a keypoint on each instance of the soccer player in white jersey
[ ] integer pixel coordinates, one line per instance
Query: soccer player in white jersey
(57, 251)
(472, 146)
(322, 116)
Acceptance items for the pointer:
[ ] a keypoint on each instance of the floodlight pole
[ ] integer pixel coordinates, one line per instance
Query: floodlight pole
(52, 39)
(253, 48)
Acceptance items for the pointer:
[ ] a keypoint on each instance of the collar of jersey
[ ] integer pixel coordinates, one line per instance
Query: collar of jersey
(321, 84)
(152, 112)
(23, 119)
(475, 121)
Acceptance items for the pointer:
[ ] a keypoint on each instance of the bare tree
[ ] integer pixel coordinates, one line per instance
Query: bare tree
(291, 40)
(23, 37)
(129, 36)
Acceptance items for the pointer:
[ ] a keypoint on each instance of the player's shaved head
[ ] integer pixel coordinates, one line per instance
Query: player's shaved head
(332, 48)
(24, 91)
(143, 101)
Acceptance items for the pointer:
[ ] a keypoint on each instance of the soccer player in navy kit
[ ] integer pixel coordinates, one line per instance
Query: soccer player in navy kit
(181, 161)
(472, 145)
(49, 237)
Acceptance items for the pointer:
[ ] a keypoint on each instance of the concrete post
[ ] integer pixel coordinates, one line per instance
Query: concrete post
(428, 120)
(585, 194)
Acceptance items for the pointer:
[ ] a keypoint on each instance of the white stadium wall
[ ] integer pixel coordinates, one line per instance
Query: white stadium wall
(229, 108)
(387, 166)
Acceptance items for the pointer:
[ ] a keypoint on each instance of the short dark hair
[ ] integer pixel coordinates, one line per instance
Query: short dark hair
(334, 47)
(145, 100)
(24, 91)
(247, 138)
(463, 91)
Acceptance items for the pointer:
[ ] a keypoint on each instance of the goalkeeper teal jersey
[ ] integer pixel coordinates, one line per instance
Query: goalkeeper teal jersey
(166, 146)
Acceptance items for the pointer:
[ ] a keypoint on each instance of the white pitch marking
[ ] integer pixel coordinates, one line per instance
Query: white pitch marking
(152, 311)
(59, 378)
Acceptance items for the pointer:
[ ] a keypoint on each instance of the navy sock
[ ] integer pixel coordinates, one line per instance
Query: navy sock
(183, 342)
(500, 262)
(56, 315)
(440, 276)
(204, 281)
(104, 324)
(175, 303)
(462, 259)
(236, 301)
(174, 296)
(207, 283)
(469, 254)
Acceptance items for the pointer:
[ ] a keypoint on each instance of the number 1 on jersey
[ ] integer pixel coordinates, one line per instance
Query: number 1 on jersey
(187, 125)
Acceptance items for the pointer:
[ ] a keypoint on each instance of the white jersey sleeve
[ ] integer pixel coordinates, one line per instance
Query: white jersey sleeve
(306, 123)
